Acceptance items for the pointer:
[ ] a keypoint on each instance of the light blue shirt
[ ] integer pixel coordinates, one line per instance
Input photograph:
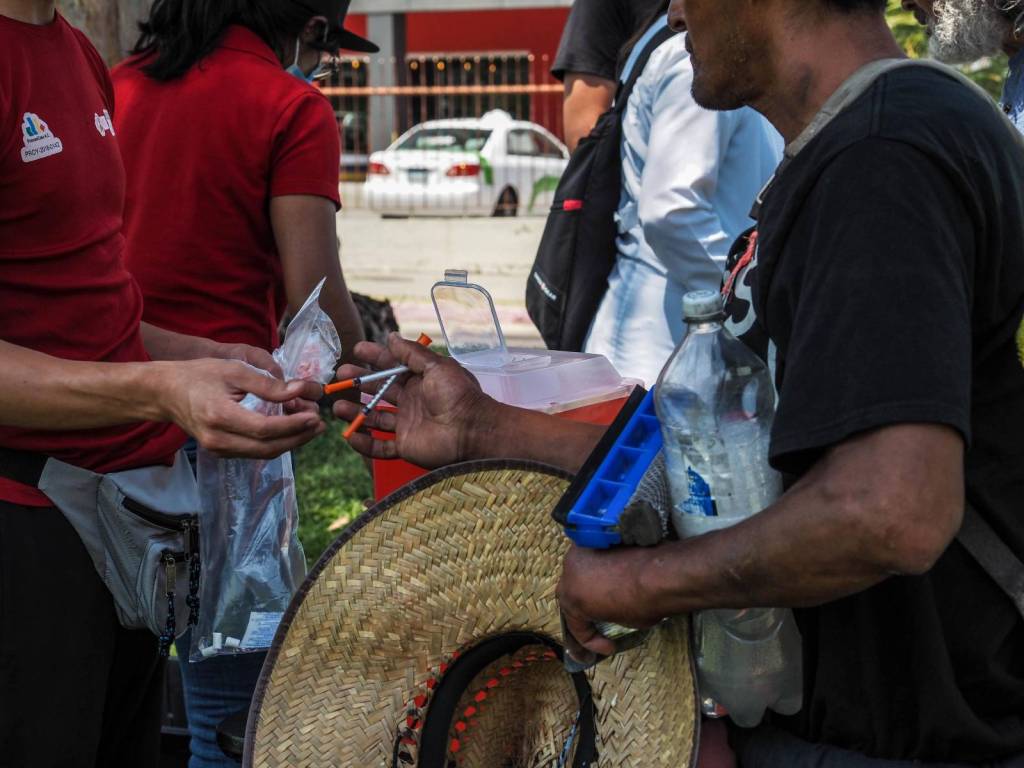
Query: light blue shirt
(1012, 100)
(689, 178)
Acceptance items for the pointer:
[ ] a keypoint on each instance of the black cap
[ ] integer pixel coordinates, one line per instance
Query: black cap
(338, 37)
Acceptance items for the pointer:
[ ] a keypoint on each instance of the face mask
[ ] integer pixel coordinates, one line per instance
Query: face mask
(296, 70)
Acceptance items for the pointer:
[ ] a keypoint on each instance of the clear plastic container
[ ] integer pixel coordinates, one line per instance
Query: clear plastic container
(537, 379)
(716, 401)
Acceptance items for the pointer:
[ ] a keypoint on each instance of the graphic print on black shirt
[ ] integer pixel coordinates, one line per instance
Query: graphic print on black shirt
(890, 275)
(741, 320)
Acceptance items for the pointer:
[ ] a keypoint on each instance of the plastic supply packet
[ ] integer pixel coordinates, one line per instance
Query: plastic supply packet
(252, 559)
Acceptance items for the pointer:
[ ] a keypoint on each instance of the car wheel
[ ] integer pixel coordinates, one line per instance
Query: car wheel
(508, 203)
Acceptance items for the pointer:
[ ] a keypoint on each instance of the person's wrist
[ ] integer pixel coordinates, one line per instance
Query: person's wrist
(476, 440)
(652, 582)
(208, 348)
(152, 386)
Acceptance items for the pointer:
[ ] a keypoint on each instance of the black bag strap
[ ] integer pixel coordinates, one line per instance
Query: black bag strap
(992, 554)
(625, 87)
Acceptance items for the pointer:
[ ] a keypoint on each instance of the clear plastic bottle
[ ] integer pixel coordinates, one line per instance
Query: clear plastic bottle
(715, 401)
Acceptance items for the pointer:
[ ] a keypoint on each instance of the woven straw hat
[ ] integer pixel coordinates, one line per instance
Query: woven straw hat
(428, 636)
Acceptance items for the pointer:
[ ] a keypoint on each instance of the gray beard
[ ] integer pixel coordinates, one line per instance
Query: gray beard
(966, 30)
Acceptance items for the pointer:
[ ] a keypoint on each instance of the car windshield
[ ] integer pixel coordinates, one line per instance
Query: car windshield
(447, 139)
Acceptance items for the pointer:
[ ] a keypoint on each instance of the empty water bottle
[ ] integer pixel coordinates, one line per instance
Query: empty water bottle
(715, 400)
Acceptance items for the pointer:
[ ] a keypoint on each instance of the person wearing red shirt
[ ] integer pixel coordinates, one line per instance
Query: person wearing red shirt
(84, 381)
(232, 167)
(232, 160)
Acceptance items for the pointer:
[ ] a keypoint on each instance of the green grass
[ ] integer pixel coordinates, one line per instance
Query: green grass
(331, 483)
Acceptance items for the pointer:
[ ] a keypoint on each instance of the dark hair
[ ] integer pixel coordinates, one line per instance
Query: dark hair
(179, 33)
(851, 6)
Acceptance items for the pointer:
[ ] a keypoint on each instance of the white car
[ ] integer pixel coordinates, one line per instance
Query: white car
(488, 165)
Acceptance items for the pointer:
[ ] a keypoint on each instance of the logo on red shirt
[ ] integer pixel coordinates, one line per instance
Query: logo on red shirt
(104, 124)
(38, 139)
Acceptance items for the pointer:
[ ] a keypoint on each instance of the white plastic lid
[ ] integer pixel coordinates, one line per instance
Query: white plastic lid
(702, 305)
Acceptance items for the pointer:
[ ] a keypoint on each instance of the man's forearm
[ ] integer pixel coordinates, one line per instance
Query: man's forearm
(514, 433)
(44, 392)
(162, 344)
(833, 533)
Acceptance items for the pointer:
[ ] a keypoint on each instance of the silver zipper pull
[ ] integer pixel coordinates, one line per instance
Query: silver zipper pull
(172, 573)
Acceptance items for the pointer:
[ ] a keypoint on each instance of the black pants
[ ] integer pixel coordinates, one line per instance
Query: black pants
(76, 689)
(767, 747)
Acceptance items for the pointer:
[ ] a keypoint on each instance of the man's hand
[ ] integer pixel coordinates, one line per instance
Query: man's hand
(442, 411)
(203, 398)
(444, 417)
(260, 358)
(254, 356)
(605, 586)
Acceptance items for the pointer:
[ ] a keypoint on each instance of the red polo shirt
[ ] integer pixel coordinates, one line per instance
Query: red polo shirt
(64, 289)
(205, 153)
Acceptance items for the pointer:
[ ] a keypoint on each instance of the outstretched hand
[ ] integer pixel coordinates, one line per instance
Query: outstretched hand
(203, 397)
(442, 412)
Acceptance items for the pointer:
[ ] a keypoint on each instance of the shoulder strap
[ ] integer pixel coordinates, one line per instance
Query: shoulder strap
(657, 34)
(853, 88)
(864, 77)
(992, 554)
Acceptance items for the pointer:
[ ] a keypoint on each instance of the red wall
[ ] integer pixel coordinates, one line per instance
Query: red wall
(535, 30)
(356, 23)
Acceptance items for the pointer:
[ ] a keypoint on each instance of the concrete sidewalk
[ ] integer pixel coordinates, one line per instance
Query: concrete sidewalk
(400, 259)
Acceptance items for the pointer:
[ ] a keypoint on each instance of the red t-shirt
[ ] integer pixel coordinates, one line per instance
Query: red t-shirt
(64, 289)
(205, 153)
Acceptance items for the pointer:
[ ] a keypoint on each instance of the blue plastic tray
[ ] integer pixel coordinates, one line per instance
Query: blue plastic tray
(594, 518)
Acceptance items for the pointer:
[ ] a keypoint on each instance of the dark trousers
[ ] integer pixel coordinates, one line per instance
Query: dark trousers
(767, 747)
(76, 689)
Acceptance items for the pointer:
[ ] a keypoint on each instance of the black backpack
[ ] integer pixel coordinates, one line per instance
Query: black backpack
(577, 251)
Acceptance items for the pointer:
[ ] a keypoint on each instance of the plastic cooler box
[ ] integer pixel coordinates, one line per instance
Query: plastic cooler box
(572, 385)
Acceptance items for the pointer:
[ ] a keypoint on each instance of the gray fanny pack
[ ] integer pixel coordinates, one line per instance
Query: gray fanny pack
(141, 529)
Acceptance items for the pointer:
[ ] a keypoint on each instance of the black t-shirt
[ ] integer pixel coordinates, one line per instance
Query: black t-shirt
(596, 32)
(890, 279)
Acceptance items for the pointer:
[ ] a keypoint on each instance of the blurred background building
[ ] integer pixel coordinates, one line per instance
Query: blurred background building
(438, 59)
(444, 59)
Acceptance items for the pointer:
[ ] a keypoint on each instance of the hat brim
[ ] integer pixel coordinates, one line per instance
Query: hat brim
(456, 559)
(340, 39)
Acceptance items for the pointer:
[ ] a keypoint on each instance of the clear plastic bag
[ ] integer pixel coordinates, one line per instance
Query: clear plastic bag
(252, 561)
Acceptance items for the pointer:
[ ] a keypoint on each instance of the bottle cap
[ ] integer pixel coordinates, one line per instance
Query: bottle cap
(702, 305)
